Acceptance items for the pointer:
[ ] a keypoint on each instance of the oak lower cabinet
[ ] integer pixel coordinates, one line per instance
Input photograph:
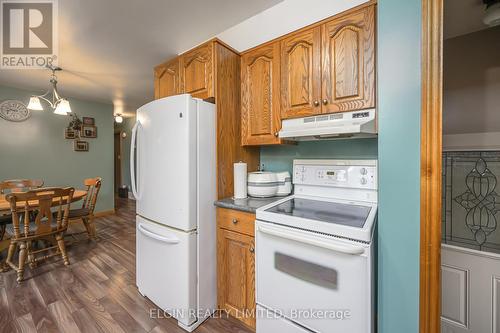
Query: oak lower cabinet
(167, 79)
(260, 96)
(236, 264)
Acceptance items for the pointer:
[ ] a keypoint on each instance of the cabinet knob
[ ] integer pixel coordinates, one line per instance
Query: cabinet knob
(316, 103)
(252, 249)
(235, 221)
(325, 101)
(276, 134)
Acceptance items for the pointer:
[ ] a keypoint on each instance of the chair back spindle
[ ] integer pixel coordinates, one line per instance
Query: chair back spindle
(93, 186)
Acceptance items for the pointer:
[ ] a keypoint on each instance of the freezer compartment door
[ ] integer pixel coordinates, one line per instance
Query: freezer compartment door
(166, 161)
(166, 268)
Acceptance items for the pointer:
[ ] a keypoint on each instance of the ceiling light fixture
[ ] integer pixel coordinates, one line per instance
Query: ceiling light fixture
(118, 118)
(492, 13)
(59, 104)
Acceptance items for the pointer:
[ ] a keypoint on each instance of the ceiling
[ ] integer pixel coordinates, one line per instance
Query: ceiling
(108, 49)
(462, 17)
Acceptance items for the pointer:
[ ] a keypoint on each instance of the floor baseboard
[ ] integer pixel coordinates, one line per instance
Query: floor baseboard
(104, 213)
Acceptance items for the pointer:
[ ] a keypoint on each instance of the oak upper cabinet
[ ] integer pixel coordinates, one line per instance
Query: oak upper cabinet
(301, 74)
(236, 264)
(260, 96)
(167, 81)
(348, 51)
(197, 71)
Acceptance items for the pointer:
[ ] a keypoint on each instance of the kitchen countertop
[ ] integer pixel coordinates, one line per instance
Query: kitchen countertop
(248, 205)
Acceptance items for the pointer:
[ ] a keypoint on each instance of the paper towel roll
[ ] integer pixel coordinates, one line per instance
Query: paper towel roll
(240, 180)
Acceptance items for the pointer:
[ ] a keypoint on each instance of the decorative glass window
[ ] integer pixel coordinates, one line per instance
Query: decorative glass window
(471, 200)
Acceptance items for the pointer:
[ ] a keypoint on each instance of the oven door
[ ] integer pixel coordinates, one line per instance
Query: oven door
(320, 282)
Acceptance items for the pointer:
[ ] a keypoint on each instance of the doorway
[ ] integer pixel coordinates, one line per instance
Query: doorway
(117, 160)
(470, 235)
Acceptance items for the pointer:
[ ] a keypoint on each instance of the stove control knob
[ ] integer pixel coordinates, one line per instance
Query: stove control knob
(363, 171)
(363, 181)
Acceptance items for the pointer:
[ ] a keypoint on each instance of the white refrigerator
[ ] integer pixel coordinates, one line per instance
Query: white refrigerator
(173, 173)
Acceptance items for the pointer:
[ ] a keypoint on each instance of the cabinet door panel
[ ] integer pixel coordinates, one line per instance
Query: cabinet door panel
(260, 71)
(235, 260)
(259, 76)
(236, 274)
(300, 74)
(197, 72)
(167, 79)
(346, 57)
(348, 80)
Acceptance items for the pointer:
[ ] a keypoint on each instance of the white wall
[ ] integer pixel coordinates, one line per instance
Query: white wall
(281, 19)
(471, 141)
(471, 94)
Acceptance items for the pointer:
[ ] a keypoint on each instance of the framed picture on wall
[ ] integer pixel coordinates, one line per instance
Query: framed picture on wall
(70, 133)
(89, 131)
(81, 145)
(88, 121)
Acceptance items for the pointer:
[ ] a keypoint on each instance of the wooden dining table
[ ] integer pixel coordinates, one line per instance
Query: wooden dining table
(5, 205)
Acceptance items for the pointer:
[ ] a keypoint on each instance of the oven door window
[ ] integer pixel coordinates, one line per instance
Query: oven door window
(306, 271)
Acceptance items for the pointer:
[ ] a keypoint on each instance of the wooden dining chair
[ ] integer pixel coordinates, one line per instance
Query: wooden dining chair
(86, 213)
(45, 223)
(15, 185)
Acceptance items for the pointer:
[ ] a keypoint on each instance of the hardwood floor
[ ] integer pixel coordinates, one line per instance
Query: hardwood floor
(96, 293)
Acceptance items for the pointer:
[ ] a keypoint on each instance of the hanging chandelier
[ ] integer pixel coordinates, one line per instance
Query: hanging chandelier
(59, 104)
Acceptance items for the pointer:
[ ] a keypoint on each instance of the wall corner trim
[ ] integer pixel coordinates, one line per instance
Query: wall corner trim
(430, 167)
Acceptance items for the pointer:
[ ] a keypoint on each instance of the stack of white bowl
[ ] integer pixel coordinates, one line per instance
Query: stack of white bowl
(265, 184)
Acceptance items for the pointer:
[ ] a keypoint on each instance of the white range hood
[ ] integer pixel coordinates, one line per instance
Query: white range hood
(339, 125)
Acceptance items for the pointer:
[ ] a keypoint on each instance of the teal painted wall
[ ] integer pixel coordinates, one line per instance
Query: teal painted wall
(126, 127)
(399, 108)
(36, 148)
(280, 158)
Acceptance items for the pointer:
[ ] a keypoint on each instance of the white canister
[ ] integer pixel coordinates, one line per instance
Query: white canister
(262, 184)
(284, 183)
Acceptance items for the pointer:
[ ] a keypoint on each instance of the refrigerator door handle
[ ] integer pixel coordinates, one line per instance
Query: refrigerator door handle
(151, 234)
(132, 159)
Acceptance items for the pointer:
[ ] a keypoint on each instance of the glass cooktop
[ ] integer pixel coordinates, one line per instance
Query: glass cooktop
(324, 211)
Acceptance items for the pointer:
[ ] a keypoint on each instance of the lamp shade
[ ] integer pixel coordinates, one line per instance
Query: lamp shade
(63, 107)
(35, 104)
(119, 118)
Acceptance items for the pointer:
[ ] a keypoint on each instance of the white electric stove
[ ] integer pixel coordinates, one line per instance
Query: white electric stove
(315, 251)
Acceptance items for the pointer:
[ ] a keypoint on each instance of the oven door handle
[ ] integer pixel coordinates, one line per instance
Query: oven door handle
(347, 249)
